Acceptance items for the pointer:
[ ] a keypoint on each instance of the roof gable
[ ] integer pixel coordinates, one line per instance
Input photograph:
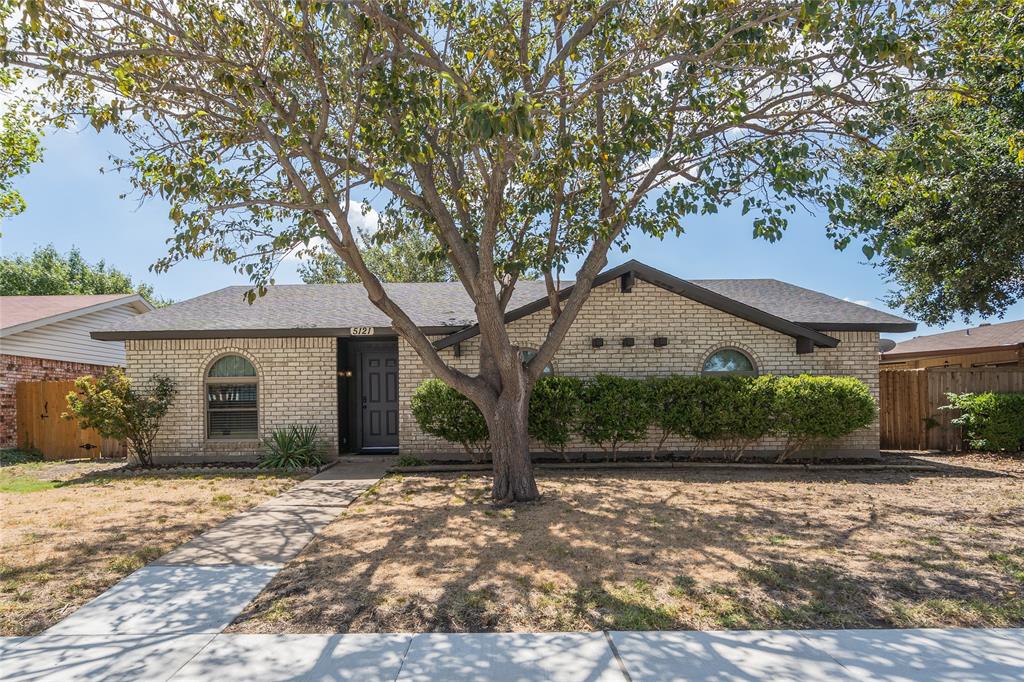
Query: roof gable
(806, 337)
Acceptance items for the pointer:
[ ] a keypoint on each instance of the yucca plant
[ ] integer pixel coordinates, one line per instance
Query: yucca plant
(293, 447)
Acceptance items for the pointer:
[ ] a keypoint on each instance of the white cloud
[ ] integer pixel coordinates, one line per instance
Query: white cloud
(361, 223)
(858, 301)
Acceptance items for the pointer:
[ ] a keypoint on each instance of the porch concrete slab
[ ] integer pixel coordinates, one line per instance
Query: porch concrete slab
(230, 658)
(104, 657)
(169, 600)
(511, 657)
(264, 536)
(726, 656)
(925, 655)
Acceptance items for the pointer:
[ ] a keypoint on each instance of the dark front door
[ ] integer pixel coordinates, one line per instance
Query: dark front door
(378, 397)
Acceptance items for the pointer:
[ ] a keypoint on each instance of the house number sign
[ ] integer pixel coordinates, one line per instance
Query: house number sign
(361, 331)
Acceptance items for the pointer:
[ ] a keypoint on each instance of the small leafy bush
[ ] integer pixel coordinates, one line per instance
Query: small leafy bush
(990, 421)
(813, 409)
(408, 461)
(292, 447)
(442, 411)
(117, 409)
(614, 410)
(554, 408)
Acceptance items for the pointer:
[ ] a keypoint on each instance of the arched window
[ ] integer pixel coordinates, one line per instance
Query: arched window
(729, 361)
(527, 355)
(231, 399)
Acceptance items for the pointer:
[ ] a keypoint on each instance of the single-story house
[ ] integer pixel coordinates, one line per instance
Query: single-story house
(47, 338)
(324, 355)
(987, 345)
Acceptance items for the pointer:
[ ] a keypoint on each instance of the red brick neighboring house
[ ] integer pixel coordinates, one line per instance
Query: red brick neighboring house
(46, 338)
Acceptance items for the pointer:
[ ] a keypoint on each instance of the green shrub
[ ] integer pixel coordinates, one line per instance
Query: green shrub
(734, 411)
(812, 409)
(118, 409)
(292, 447)
(990, 421)
(613, 411)
(753, 413)
(673, 406)
(442, 411)
(409, 461)
(554, 408)
(9, 456)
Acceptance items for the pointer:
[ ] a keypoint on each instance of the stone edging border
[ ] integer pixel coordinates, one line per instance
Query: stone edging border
(188, 470)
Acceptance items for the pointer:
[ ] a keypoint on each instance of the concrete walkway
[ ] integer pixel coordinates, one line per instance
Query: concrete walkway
(160, 616)
(899, 655)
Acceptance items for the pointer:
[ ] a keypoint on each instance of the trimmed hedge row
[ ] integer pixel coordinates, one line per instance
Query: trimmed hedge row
(609, 412)
(990, 421)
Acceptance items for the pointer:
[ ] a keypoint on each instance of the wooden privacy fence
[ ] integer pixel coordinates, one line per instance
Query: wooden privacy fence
(38, 409)
(909, 402)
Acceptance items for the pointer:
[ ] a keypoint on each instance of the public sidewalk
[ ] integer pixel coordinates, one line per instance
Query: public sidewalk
(171, 608)
(901, 655)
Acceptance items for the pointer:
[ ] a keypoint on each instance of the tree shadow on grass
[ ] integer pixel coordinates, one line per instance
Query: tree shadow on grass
(646, 550)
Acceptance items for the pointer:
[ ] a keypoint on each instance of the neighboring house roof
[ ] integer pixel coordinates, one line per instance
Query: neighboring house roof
(982, 337)
(445, 308)
(61, 327)
(21, 313)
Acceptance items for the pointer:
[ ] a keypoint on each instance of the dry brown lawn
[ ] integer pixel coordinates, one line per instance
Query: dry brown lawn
(68, 531)
(681, 549)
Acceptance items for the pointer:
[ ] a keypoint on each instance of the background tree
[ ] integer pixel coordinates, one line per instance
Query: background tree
(522, 135)
(47, 272)
(941, 201)
(411, 257)
(20, 141)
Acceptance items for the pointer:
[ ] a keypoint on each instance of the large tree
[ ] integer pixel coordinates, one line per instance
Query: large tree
(520, 135)
(20, 141)
(939, 203)
(47, 272)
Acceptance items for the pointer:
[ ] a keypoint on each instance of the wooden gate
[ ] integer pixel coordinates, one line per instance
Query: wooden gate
(910, 400)
(39, 405)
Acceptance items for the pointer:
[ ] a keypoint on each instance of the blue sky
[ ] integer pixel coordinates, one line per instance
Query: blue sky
(70, 203)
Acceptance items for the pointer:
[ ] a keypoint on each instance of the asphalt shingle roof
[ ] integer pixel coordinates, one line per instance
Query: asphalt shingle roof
(319, 306)
(985, 336)
(445, 304)
(804, 306)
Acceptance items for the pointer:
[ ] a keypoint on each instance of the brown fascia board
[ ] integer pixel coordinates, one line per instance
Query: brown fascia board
(141, 335)
(669, 283)
(911, 354)
(890, 327)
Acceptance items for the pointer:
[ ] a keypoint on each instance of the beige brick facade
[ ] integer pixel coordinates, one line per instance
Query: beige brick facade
(297, 385)
(693, 331)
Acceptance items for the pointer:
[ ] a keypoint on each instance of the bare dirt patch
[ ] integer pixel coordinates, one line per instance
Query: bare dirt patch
(68, 531)
(701, 549)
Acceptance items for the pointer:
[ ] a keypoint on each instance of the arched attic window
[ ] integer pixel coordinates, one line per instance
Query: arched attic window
(729, 361)
(232, 408)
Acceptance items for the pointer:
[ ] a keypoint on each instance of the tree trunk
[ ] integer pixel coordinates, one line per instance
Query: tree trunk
(510, 450)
